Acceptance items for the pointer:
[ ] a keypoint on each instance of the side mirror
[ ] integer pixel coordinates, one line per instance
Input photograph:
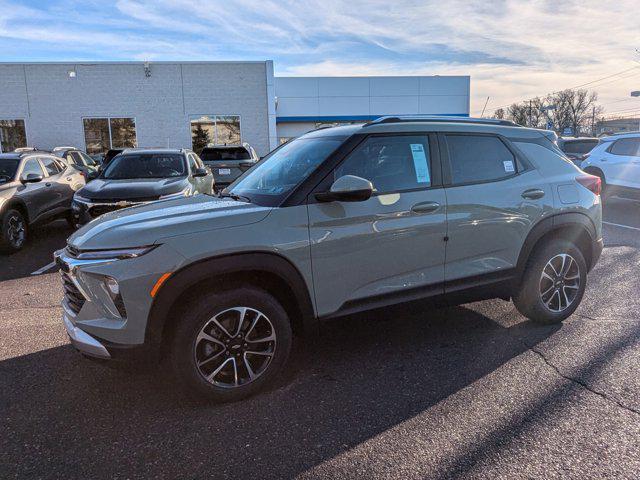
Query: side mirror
(32, 178)
(200, 172)
(347, 188)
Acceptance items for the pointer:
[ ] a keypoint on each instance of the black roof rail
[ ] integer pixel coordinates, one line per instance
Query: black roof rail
(440, 119)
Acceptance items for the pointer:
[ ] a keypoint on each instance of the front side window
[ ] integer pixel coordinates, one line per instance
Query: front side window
(145, 165)
(216, 130)
(629, 147)
(50, 166)
(475, 158)
(102, 134)
(87, 159)
(31, 166)
(12, 135)
(283, 169)
(390, 163)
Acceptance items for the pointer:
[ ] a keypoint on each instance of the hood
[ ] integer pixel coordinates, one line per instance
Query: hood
(150, 223)
(103, 189)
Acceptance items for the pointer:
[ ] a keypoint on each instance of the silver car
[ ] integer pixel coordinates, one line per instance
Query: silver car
(338, 221)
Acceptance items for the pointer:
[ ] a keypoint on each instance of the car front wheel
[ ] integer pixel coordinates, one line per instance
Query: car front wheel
(229, 345)
(553, 283)
(13, 234)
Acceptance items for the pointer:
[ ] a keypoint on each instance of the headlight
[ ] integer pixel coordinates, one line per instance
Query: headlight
(183, 193)
(114, 254)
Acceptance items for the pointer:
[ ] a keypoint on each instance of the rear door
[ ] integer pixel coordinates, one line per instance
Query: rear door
(621, 162)
(494, 196)
(390, 247)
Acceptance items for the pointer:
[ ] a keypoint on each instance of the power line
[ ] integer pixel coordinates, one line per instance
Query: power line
(493, 109)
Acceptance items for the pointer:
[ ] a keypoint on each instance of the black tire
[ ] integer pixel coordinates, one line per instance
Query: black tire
(13, 231)
(529, 300)
(185, 349)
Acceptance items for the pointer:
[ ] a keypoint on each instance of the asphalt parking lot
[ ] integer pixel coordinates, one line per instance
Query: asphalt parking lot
(474, 391)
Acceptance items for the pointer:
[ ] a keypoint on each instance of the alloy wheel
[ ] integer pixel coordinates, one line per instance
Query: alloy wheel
(235, 347)
(560, 282)
(16, 231)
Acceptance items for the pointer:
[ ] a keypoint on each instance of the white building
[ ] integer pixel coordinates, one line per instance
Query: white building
(303, 103)
(101, 105)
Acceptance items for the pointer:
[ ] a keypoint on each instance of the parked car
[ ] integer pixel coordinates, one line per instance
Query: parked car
(80, 160)
(139, 176)
(576, 149)
(616, 160)
(228, 162)
(338, 221)
(110, 155)
(35, 187)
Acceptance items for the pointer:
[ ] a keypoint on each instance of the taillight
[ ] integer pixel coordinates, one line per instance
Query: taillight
(590, 182)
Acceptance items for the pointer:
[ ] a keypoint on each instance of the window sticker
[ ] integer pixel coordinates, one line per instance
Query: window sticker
(508, 166)
(420, 163)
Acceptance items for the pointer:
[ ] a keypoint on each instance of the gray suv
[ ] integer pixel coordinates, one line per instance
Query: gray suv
(342, 220)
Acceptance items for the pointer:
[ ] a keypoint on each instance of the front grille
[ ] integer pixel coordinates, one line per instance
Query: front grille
(75, 299)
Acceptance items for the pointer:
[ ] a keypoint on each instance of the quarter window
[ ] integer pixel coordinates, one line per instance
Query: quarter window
(475, 158)
(102, 134)
(629, 147)
(12, 135)
(216, 130)
(390, 163)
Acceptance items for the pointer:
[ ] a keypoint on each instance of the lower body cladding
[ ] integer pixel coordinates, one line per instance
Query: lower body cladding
(107, 301)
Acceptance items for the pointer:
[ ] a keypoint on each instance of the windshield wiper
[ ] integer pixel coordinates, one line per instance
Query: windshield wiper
(235, 196)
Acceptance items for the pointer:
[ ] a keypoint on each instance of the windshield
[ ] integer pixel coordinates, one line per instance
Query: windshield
(145, 165)
(217, 154)
(283, 169)
(8, 168)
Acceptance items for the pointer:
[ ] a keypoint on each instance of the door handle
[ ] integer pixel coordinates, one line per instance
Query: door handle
(533, 194)
(425, 207)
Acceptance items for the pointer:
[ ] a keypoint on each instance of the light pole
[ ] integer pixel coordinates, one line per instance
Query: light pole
(546, 109)
(636, 93)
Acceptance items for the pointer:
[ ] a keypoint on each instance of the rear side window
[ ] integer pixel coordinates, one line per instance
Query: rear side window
(50, 165)
(390, 163)
(629, 147)
(475, 158)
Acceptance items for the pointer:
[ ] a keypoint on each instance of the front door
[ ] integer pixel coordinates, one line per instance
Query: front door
(493, 199)
(389, 247)
(621, 163)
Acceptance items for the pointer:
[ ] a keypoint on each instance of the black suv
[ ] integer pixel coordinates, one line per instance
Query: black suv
(35, 187)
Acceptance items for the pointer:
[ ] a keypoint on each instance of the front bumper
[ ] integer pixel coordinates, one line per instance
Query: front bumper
(81, 340)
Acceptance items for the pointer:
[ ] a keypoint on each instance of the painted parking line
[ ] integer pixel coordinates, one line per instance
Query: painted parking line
(40, 271)
(621, 226)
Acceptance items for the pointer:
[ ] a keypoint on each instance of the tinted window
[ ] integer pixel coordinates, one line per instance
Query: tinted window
(87, 159)
(283, 169)
(580, 147)
(626, 146)
(192, 163)
(479, 159)
(391, 164)
(8, 168)
(31, 166)
(145, 165)
(221, 154)
(74, 157)
(50, 165)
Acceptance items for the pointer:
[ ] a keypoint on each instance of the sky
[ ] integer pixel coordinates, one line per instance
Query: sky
(513, 50)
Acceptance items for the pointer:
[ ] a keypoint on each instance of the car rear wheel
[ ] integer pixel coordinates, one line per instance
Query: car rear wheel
(553, 283)
(13, 233)
(231, 344)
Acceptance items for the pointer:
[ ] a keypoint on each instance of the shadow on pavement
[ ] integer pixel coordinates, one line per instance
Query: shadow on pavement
(64, 415)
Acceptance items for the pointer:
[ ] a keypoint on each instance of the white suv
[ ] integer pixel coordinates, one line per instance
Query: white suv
(616, 160)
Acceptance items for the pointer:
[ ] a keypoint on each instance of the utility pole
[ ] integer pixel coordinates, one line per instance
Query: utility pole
(530, 113)
(485, 106)
(593, 122)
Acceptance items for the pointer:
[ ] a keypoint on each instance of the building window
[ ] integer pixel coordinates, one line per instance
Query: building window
(214, 130)
(102, 134)
(12, 135)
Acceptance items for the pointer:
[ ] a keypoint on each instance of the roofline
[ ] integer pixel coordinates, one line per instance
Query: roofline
(138, 62)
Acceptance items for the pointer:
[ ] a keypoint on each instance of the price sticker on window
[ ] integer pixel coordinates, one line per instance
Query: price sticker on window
(420, 163)
(508, 166)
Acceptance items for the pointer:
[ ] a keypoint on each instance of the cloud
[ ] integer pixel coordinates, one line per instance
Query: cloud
(512, 49)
